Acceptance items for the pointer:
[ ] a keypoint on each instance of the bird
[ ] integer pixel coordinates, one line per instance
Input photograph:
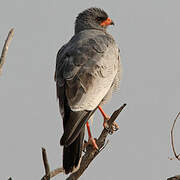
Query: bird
(88, 70)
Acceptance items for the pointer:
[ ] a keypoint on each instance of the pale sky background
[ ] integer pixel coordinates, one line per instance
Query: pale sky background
(148, 34)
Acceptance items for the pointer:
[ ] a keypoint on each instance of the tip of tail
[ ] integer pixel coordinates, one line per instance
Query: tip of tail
(72, 169)
(72, 154)
(67, 171)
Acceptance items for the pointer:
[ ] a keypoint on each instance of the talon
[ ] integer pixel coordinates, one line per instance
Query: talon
(113, 128)
(105, 124)
(91, 139)
(93, 143)
(110, 131)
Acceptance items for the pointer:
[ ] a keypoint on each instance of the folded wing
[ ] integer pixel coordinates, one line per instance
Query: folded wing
(85, 71)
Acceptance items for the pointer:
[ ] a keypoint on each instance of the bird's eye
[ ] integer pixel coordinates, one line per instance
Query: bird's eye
(99, 19)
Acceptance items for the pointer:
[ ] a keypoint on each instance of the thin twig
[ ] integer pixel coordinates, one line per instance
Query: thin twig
(45, 161)
(46, 165)
(172, 138)
(5, 48)
(48, 175)
(177, 156)
(56, 172)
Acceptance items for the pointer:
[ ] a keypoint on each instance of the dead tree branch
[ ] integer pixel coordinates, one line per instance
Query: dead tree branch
(174, 178)
(3, 54)
(48, 175)
(177, 156)
(89, 155)
(46, 164)
(5, 48)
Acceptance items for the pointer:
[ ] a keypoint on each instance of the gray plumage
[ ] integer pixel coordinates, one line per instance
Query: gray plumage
(87, 72)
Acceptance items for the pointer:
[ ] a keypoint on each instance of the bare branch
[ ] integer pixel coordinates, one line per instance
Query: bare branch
(177, 156)
(174, 178)
(89, 155)
(5, 48)
(56, 172)
(46, 164)
(172, 138)
(48, 175)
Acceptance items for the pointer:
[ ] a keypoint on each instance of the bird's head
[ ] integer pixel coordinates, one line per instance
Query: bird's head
(92, 18)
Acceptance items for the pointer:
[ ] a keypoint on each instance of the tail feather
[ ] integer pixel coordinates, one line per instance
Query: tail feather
(76, 121)
(72, 153)
(72, 139)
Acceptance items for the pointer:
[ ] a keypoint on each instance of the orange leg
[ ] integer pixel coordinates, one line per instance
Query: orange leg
(106, 118)
(91, 139)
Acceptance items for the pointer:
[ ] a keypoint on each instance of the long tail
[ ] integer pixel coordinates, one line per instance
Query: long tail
(72, 139)
(74, 122)
(72, 153)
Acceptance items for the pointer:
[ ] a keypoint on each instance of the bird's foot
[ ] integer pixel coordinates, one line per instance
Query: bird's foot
(91, 142)
(111, 129)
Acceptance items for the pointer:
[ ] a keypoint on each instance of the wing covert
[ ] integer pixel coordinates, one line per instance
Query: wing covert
(86, 68)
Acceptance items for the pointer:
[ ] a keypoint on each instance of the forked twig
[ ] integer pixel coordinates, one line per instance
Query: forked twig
(5, 48)
(48, 175)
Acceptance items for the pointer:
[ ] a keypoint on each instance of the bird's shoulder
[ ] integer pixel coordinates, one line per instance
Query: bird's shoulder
(92, 40)
(86, 41)
(86, 65)
(82, 47)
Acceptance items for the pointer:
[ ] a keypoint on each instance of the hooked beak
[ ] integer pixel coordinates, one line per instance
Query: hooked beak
(112, 23)
(107, 22)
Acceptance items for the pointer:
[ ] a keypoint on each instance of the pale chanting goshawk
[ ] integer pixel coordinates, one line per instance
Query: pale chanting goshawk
(88, 70)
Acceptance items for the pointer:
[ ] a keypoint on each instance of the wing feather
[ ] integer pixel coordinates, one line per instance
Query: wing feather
(86, 68)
